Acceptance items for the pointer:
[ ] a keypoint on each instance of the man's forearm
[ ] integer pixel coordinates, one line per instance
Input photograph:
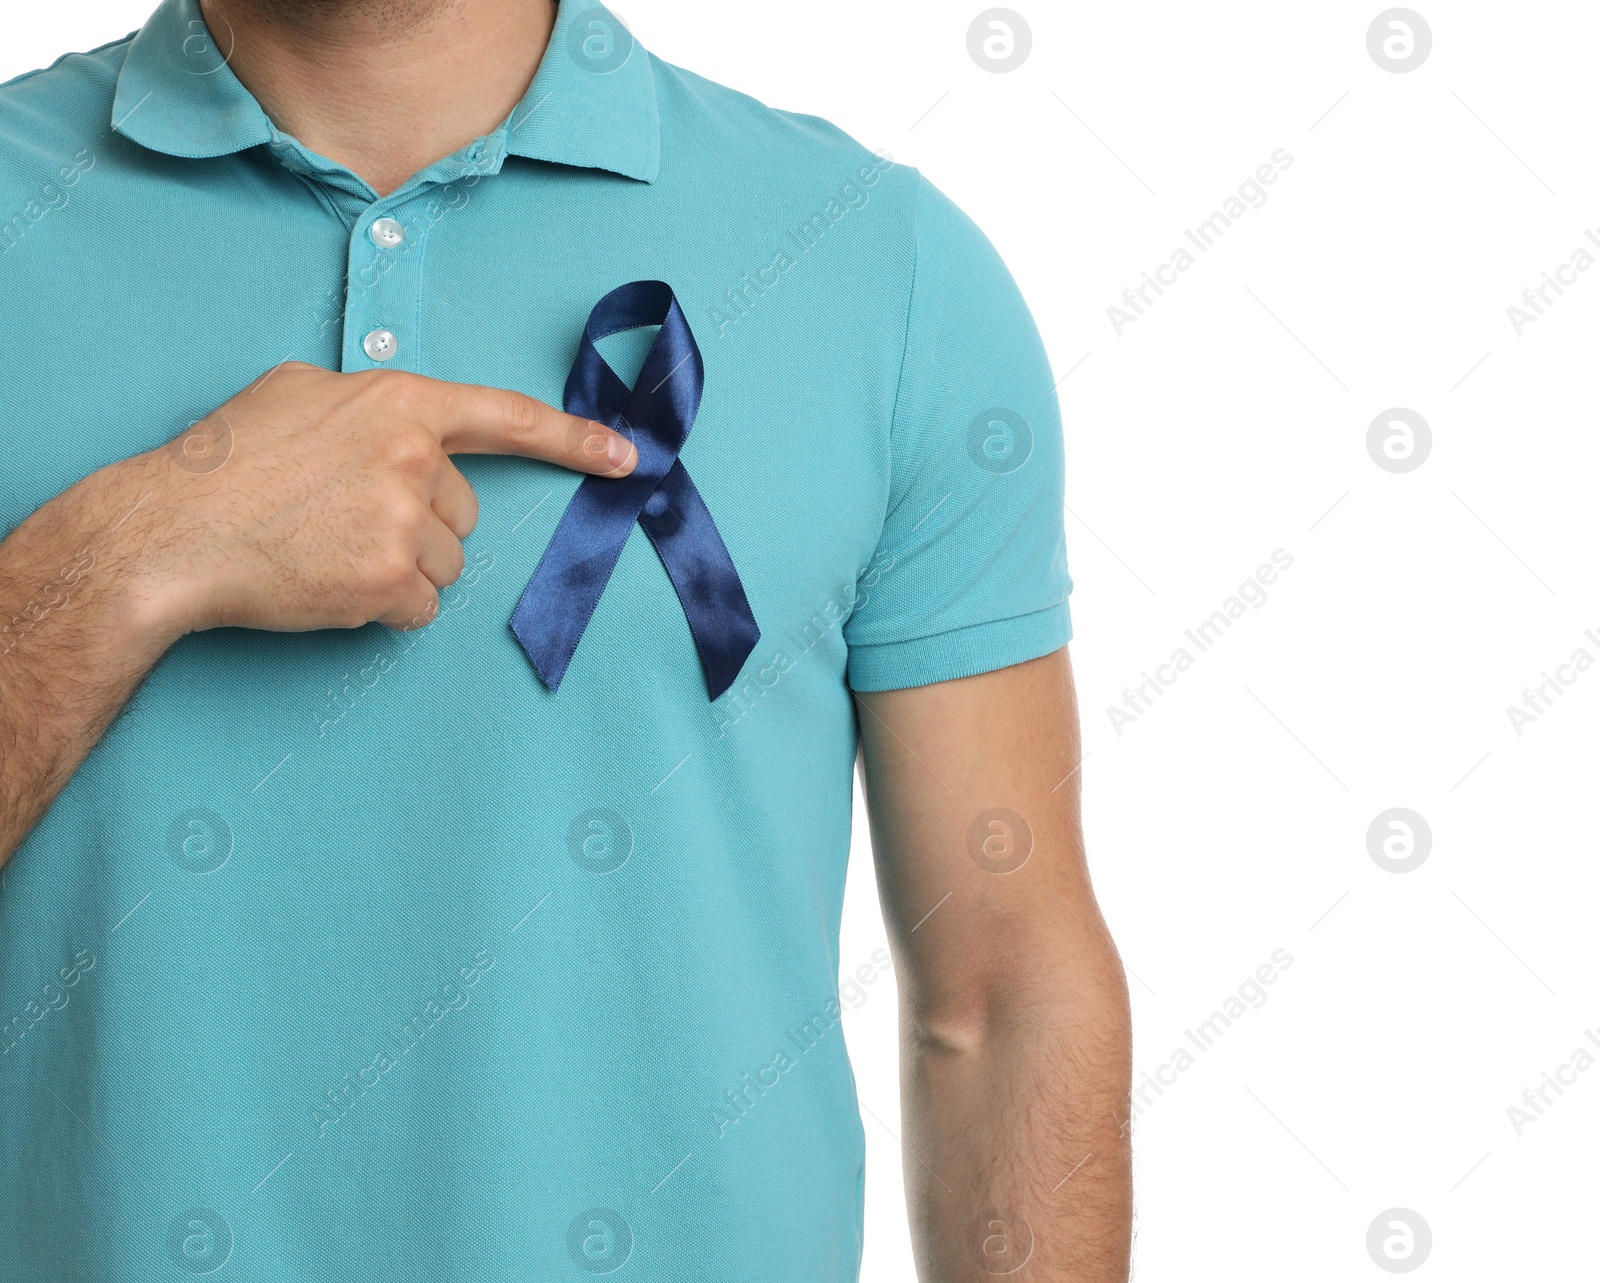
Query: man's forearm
(79, 629)
(1015, 1044)
(332, 504)
(1017, 1155)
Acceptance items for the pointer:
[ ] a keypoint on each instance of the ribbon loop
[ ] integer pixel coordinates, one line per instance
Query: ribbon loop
(658, 412)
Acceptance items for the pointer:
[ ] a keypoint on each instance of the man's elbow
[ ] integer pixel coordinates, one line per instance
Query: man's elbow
(1079, 995)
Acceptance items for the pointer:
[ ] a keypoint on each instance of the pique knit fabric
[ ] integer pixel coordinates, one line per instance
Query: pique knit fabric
(358, 955)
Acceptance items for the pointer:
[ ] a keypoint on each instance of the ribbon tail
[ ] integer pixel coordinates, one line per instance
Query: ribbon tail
(556, 606)
(702, 572)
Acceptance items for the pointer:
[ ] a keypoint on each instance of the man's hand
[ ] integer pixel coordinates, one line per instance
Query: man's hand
(1015, 1051)
(321, 500)
(310, 500)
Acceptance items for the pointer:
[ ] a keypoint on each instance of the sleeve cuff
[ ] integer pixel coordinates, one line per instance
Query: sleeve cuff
(961, 652)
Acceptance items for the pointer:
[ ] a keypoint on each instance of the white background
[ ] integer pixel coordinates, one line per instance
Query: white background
(1231, 420)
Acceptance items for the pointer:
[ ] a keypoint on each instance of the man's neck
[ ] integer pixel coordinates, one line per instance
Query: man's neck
(384, 87)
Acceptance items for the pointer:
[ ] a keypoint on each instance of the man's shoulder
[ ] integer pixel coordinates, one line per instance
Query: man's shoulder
(745, 140)
(48, 114)
(91, 72)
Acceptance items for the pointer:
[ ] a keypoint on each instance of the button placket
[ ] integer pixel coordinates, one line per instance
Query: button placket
(381, 291)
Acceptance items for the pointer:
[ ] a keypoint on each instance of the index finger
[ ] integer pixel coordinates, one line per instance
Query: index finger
(469, 418)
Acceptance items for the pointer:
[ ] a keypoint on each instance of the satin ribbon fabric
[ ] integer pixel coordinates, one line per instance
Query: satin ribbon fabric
(656, 413)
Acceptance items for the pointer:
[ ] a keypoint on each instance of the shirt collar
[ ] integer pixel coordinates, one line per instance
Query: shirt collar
(592, 103)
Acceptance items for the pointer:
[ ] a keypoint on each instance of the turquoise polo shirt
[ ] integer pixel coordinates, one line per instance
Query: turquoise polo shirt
(357, 955)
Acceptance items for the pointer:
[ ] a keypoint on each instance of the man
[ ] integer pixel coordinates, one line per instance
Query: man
(454, 949)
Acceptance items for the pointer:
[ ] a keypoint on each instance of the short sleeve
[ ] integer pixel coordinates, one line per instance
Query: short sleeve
(970, 572)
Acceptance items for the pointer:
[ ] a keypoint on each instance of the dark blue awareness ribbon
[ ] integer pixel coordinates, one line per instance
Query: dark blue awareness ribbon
(657, 413)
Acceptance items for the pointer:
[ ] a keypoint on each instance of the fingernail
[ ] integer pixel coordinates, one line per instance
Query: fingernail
(619, 451)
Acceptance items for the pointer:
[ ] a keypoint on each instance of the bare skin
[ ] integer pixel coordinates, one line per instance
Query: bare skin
(384, 87)
(1014, 1025)
(338, 506)
(310, 500)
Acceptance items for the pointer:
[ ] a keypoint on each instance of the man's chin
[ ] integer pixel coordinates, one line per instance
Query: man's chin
(385, 13)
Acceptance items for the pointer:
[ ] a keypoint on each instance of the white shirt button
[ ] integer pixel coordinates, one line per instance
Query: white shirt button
(386, 233)
(380, 345)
